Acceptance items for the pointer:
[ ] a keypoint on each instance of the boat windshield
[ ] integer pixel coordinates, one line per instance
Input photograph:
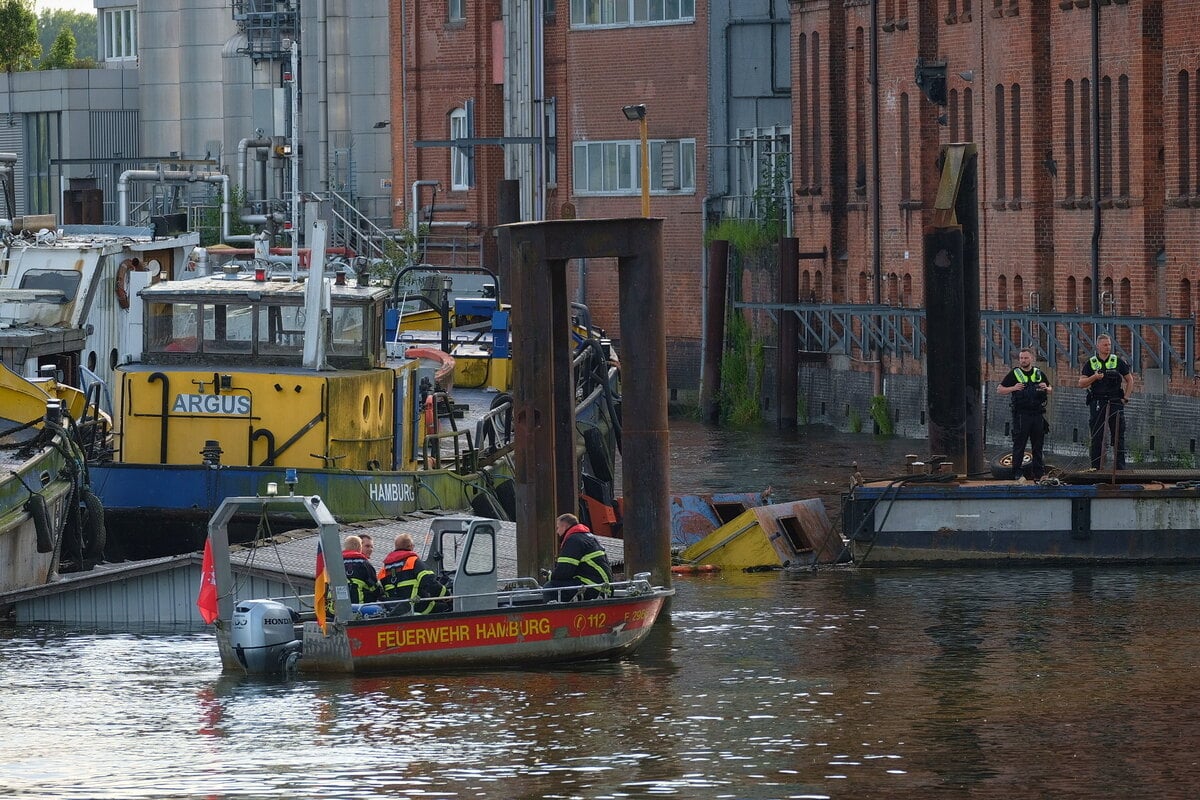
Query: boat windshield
(246, 329)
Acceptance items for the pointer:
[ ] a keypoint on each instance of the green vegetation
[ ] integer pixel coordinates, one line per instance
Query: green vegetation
(855, 421)
(882, 415)
(62, 52)
(399, 253)
(744, 235)
(209, 225)
(742, 375)
(50, 25)
(802, 409)
(19, 46)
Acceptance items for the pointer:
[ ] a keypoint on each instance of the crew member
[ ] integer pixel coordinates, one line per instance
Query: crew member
(1027, 386)
(364, 585)
(1109, 382)
(405, 577)
(581, 563)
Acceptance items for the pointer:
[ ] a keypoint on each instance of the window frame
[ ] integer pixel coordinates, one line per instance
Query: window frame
(619, 166)
(460, 157)
(587, 14)
(119, 33)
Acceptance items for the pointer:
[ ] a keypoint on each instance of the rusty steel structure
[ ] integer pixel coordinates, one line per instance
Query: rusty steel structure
(547, 479)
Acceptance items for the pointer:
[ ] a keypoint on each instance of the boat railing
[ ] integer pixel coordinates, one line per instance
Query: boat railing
(520, 591)
(464, 450)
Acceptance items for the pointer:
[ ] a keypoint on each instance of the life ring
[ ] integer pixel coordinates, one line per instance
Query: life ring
(121, 285)
(431, 422)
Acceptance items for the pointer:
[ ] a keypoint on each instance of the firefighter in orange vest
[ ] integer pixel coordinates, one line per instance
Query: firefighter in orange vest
(405, 577)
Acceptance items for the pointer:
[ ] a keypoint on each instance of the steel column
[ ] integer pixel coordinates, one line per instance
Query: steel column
(543, 395)
(714, 330)
(789, 292)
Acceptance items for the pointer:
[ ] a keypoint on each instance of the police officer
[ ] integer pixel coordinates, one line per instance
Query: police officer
(1028, 388)
(1109, 382)
(582, 564)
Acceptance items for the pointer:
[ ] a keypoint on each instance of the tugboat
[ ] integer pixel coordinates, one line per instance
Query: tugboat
(237, 377)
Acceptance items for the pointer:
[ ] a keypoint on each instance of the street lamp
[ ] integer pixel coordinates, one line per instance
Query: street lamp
(638, 114)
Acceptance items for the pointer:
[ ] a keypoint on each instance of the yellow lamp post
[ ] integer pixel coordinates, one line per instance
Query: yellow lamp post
(638, 114)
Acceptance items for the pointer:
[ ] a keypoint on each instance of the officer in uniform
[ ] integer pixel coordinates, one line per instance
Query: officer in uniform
(1109, 382)
(1027, 386)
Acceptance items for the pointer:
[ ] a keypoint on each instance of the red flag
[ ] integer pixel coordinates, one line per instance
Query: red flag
(206, 600)
(320, 588)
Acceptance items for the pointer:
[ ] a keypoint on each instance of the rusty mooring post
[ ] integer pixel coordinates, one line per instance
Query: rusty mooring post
(952, 314)
(714, 330)
(543, 389)
(789, 294)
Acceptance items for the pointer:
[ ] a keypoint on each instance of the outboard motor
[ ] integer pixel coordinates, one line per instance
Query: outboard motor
(264, 637)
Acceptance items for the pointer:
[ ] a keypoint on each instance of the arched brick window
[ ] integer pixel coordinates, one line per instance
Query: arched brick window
(1183, 126)
(1069, 142)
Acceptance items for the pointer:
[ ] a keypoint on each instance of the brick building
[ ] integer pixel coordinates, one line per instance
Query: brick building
(1020, 83)
(539, 99)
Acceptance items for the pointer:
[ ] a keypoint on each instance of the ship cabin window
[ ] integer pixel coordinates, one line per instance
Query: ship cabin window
(60, 280)
(254, 329)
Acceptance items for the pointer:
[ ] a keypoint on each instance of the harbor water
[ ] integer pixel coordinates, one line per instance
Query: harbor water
(838, 683)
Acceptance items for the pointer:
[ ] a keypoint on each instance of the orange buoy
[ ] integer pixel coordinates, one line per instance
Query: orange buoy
(694, 569)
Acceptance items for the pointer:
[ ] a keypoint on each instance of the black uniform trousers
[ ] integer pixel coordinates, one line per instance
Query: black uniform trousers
(1028, 427)
(1110, 415)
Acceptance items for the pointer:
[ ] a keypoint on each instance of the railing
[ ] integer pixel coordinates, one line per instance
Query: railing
(1162, 343)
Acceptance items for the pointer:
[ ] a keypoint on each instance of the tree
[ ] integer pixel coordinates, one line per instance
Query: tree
(51, 22)
(19, 46)
(62, 53)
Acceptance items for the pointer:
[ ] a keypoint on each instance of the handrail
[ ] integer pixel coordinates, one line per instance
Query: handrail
(1165, 343)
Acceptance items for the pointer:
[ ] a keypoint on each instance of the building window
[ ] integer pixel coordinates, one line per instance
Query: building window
(1069, 142)
(860, 112)
(620, 13)
(1015, 100)
(968, 116)
(460, 157)
(1183, 125)
(905, 168)
(614, 168)
(42, 136)
(1106, 137)
(954, 115)
(456, 10)
(802, 100)
(1085, 137)
(815, 108)
(764, 169)
(1001, 167)
(1123, 136)
(119, 31)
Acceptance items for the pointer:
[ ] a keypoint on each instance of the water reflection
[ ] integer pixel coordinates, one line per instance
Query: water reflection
(838, 683)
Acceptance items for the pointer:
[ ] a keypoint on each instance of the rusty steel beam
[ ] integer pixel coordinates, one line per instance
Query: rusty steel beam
(714, 330)
(785, 372)
(543, 389)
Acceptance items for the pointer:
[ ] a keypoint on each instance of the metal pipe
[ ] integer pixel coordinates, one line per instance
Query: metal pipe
(876, 200)
(296, 221)
(323, 95)
(416, 204)
(243, 146)
(161, 175)
(539, 107)
(404, 94)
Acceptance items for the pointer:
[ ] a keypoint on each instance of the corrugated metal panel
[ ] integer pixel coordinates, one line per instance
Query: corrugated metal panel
(114, 134)
(12, 140)
(167, 597)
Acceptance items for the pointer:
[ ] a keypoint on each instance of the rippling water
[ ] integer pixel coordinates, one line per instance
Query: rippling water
(839, 683)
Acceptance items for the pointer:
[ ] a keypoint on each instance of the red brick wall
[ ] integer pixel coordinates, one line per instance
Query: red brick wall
(593, 74)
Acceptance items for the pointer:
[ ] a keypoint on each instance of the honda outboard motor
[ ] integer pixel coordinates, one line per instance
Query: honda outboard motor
(264, 636)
